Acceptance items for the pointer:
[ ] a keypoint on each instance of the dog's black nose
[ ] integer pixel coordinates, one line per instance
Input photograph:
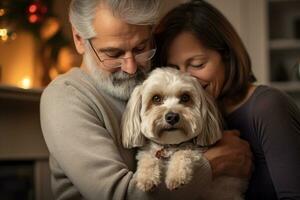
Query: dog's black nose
(172, 118)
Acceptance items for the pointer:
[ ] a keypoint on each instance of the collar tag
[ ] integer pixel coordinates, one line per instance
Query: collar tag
(162, 154)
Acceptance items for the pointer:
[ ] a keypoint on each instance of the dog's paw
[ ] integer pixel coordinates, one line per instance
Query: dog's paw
(175, 182)
(180, 169)
(146, 183)
(177, 176)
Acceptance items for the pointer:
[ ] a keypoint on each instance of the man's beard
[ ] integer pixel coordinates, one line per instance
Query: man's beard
(118, 84)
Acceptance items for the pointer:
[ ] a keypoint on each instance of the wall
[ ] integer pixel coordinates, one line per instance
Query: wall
(17, 59)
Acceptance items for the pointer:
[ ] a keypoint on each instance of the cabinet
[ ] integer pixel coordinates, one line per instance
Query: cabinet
(23, 152)
(284, 44)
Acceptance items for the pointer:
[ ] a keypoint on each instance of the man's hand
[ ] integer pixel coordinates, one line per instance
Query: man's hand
(231, 156)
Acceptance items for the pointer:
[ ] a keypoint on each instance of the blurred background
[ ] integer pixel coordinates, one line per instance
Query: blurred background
(35, 42)
(36, 46)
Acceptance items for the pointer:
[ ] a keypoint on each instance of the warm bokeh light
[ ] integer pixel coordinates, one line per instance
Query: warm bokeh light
(33, 19)
(13, 36)
(2, 12)
(3, 32)
(26, 83)
(5, 35)
(4, 38)
(49, 28)
(32, 8)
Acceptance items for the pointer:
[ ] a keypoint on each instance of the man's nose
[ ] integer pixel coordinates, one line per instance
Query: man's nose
(129, 66)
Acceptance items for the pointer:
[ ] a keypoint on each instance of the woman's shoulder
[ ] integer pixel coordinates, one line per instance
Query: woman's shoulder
(269, 95)
(267, 100)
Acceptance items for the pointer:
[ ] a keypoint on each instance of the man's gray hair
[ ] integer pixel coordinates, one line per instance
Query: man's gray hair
(138, 12)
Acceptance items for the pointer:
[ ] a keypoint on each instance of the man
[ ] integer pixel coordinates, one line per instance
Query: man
(81, 110)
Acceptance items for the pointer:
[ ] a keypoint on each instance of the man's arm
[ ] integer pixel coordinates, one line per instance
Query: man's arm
(89, 157)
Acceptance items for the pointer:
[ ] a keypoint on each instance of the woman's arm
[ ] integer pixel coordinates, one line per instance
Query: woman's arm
(276, 119)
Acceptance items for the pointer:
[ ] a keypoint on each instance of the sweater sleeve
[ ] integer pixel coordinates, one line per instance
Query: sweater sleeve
(277, 124)
(89, 157)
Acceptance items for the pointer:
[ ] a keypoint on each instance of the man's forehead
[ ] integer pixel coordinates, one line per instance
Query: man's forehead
(122, 41)
(108, 25)
(127, 32)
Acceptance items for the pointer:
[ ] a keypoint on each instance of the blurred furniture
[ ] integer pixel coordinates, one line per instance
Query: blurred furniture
(270, 30)
(23, 152)
(284, 42)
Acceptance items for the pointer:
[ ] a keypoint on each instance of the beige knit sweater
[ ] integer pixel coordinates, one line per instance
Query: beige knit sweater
(80, 124)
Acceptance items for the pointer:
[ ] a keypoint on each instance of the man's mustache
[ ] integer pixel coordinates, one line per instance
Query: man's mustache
(120, 77)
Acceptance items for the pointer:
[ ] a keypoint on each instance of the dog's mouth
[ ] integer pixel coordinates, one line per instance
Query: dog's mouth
(171, 135)
(170, 129)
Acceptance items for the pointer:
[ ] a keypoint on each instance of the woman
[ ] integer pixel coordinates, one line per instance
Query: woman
(196, 38)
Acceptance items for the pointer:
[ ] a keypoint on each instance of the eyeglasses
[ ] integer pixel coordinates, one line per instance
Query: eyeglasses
(118, 62)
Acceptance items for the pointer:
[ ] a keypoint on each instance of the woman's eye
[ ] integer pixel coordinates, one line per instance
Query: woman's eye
(196, 65)
(157, 99)
(185, 98)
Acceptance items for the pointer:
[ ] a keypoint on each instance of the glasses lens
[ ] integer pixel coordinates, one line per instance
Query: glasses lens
(142, 57)
(113, 63)
(145, 56)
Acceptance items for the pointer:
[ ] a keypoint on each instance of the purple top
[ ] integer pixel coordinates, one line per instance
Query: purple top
(270, 122)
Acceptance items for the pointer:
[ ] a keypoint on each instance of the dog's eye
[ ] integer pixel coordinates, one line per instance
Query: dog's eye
(185, 98)
(156, 99)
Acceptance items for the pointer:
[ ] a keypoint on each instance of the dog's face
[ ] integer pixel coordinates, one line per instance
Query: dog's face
(170, 111)
(170, 107)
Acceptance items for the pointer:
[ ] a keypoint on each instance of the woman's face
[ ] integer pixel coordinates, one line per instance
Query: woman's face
(188, 54)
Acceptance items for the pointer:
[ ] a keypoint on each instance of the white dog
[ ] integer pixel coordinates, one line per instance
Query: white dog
(173, 120)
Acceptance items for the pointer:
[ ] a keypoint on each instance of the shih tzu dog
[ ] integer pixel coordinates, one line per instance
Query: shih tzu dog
(172, 120)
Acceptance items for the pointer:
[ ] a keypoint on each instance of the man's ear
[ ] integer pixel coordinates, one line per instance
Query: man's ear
(78, 41)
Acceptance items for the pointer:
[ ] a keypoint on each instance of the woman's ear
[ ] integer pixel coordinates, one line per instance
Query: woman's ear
(78, 41)
(131, 121)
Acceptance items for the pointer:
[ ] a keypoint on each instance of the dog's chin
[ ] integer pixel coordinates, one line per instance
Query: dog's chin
(171, 136)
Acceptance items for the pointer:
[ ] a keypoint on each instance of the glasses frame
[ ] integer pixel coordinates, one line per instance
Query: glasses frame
(121, 59)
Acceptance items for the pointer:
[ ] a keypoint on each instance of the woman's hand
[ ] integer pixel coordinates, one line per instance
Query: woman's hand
(231, 156)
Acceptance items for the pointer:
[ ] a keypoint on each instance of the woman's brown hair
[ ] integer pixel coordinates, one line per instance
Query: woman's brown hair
(215, 32)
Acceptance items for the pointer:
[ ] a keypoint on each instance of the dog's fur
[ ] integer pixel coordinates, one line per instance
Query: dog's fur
(172, 119)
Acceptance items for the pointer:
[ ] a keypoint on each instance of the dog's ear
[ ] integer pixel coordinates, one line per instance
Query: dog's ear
(131, 121)
(211, 127)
